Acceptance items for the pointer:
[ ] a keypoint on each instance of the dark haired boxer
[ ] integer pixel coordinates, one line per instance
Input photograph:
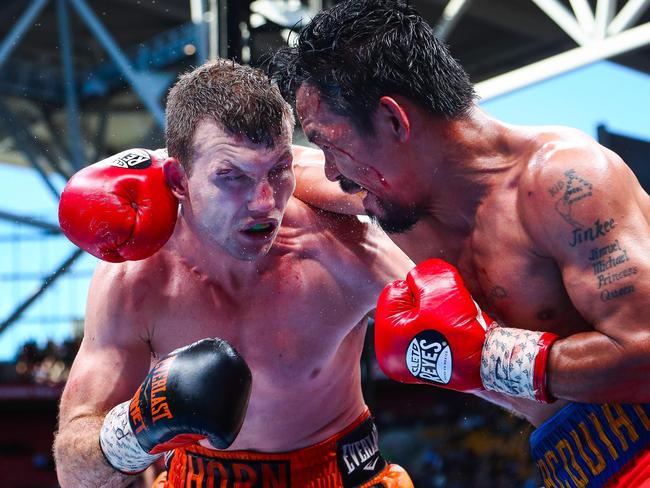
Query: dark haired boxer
(549, 231)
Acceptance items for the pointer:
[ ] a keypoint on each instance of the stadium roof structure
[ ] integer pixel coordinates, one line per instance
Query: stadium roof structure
(81, 79)
(87, 77)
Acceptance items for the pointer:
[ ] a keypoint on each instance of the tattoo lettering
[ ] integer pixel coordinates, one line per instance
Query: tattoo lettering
(605, 258)
(592, 233)
(575, 190)
(611, 295)
(606, 263)
(598, 253)
(609, 278)
(556, 188)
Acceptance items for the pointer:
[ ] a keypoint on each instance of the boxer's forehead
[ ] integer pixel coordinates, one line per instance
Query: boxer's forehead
(213, 145)
(309, 104)
(319, 123)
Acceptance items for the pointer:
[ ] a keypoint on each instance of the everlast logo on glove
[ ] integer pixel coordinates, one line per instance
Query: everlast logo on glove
(428, 357)
(152, 394)
(358, 455)
(131, 159)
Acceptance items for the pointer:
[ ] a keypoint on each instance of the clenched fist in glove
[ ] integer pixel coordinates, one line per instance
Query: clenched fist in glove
(199, 391)
(428, 329)
(120, 209)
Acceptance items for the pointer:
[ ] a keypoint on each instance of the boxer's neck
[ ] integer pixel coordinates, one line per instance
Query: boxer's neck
(468, 159)
(212, 261)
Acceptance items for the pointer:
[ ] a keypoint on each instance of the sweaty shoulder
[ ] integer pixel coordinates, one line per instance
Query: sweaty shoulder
(122, 299)
(568, 170)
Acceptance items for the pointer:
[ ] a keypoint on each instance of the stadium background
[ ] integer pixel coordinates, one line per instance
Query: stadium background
(82, 79)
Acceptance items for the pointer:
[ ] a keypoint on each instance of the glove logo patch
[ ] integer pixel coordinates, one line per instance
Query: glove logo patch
(428, 357)
(131, 159)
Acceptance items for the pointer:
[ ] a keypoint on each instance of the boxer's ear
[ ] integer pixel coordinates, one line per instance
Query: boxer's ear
(176, 177)
(392, 113)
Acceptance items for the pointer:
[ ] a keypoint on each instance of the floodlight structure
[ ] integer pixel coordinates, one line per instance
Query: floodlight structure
(142, 68)
(600, 34)
(56, 119)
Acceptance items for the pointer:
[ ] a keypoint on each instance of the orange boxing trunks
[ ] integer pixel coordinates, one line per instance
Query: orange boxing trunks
(594, 446)
(348, 459)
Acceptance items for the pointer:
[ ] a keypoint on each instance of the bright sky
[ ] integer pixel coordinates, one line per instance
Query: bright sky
(603, 93)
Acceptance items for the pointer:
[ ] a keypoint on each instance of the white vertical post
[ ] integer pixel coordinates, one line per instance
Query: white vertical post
(604, 15)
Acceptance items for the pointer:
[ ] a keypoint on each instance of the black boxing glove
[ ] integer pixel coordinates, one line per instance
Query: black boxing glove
(199, 391)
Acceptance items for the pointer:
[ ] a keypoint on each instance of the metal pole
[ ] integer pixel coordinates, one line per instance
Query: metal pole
(628, 15)
(213, 31)
(197, 13)
(15, 34)
(222, 28)
(20, 133)
(136, 80)
(74, 129)
(34, 222)
(559, 14)
(584, 15)
(47, 282)
(604, 15)
(567, 61)
(450, 17)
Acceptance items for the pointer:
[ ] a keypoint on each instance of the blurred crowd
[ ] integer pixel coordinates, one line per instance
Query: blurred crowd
(473, 444)
(47, 365)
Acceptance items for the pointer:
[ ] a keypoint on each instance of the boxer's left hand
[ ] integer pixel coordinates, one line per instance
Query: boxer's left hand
(428, 329)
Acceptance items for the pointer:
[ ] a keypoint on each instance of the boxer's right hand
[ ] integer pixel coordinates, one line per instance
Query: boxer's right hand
(429, 329)
(119, 209)
(200, 391)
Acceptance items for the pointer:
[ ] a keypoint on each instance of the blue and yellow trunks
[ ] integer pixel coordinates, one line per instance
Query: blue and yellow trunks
(589, 445)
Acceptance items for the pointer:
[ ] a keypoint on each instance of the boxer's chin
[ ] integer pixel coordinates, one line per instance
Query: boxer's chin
(395, 219)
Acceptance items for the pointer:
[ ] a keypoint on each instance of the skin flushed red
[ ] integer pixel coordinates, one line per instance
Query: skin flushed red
(491, 200)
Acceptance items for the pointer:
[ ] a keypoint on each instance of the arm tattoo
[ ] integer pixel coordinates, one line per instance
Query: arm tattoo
(575, 189)
(610, 264)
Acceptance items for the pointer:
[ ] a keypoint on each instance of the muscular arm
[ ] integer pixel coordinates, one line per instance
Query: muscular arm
(369, 260)
(314, 188)
(586, 210)
(111, 363)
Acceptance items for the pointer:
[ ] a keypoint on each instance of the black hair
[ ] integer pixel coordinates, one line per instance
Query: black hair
(360, 50)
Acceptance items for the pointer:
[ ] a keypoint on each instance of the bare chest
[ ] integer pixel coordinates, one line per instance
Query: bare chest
(287, 324)
(516, 285)
(510, 281)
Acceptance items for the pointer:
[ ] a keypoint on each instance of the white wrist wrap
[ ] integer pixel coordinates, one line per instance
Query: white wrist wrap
(119, 444)
(508, 361)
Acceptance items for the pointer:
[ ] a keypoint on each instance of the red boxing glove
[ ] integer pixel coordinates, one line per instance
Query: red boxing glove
(428, 329)
(120, 209)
